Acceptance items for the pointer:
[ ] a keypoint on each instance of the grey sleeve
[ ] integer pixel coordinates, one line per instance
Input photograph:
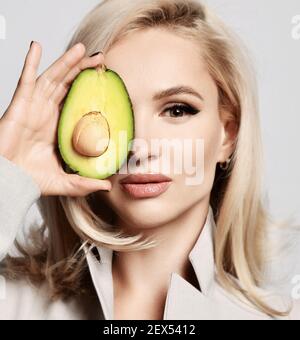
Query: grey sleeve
(18, 192)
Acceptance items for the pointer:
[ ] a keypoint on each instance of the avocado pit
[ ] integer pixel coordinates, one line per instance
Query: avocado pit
(91, 135)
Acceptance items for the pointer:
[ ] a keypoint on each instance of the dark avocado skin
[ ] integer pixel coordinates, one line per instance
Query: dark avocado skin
(97, 91)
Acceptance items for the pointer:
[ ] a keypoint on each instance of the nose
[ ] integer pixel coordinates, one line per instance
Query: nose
(141, 156)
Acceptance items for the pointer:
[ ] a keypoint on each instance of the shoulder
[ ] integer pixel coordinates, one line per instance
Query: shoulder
(241, 308)
(21, 300)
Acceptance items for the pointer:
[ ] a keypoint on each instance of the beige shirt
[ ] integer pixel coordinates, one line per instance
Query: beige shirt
(21, 300)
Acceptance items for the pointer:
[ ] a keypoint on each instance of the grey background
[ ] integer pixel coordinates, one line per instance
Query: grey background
(265, 26)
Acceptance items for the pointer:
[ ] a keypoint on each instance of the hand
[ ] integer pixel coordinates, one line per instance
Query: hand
(28, 129)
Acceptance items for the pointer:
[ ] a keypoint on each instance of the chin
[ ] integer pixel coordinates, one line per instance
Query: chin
(149, 213)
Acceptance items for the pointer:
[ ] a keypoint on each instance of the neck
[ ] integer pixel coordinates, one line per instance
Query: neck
(136, 271)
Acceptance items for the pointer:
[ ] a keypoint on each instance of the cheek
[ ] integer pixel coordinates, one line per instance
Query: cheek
(206, 137)
(212, 143)
(206, 140)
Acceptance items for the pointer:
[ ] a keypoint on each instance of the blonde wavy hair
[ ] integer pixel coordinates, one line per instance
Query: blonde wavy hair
(56, 254)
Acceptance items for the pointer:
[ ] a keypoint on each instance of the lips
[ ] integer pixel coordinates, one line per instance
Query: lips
(147, 178)
(145, 186)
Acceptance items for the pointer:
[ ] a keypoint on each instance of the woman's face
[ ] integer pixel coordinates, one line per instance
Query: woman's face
(151, 62)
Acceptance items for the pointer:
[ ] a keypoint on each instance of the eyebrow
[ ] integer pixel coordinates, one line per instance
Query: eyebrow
(177, 90)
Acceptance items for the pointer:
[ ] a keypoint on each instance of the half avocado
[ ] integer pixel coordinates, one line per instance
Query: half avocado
(96, 125)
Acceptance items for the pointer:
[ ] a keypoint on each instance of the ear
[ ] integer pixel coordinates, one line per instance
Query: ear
(229, 132)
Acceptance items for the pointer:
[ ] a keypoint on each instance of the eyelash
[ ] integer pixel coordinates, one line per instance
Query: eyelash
(188, 109)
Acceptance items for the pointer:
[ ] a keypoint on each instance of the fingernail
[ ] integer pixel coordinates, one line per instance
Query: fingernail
(94, 55)
(31, 43)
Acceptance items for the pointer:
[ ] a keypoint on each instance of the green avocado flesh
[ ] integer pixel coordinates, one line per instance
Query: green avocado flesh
(103, 91)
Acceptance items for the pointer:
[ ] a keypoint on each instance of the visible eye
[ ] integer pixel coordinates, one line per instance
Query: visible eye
(179, 110)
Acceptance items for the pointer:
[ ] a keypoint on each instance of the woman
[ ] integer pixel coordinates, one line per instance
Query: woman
(189, 251)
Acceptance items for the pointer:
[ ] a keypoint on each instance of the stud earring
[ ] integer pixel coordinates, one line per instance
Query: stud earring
(224, 166)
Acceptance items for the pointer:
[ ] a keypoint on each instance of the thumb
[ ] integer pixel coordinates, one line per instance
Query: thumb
(79, 186)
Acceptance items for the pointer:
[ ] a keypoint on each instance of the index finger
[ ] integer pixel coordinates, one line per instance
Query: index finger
(26, 84)
(60, 68)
